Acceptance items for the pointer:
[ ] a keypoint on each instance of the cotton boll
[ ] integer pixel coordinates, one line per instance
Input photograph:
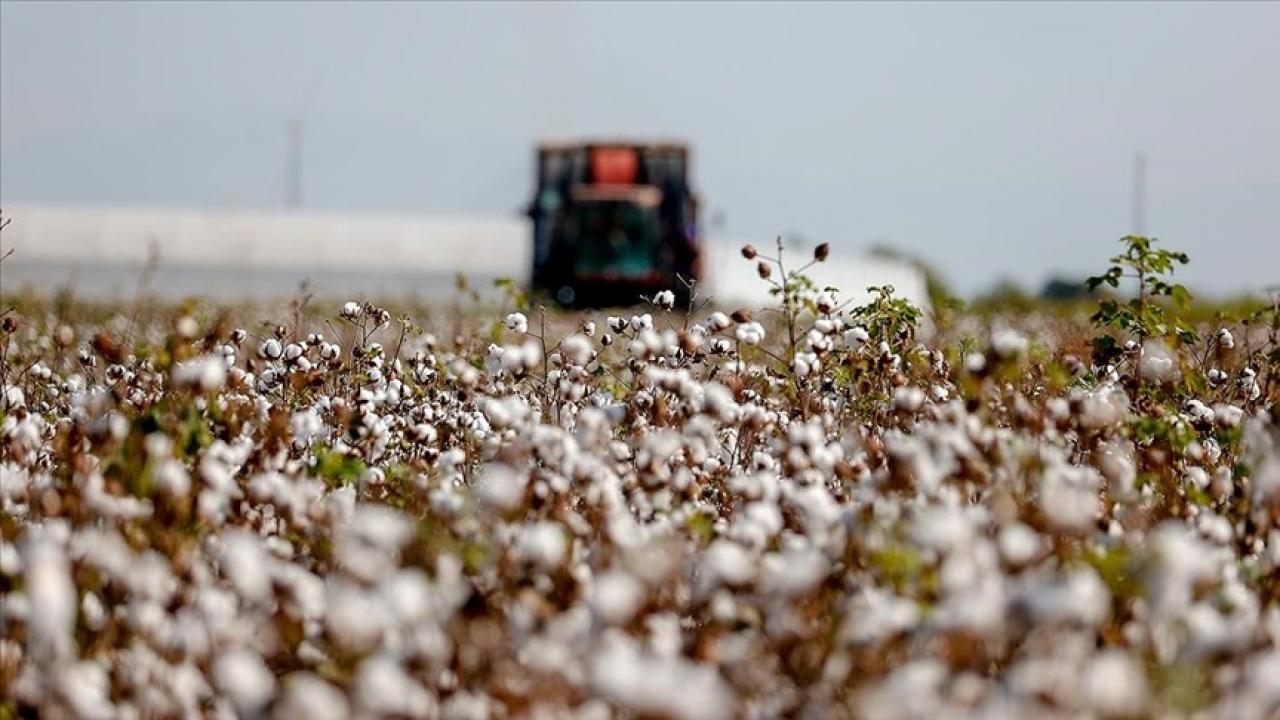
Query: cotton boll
(1158, 363)
(751, 333)
(244, 678)
(246, 566)
(206, 373)
(615, 597)
(1008, 344)
(1103, 407)
(541, 544)
(500, 487)
(517, 322)
(270, 349)
(648, 684)
(908, 399)
(576, 349)
(52, 596)
(308, 697)
(793, 573)
(355, 619)
(382, 688)
(1115, 685)
(87, 690)
(726, 563)
(1019, 544)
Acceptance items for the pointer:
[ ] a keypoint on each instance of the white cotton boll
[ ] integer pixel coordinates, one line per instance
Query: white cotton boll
(86, 687)
(500, 487)
(654, 343)
(726, 563)
(1103, 407)
(615, 597)
(246, 566)
(793, 573)
(383, 688)
(308, 697)
(51, 593)
(171, 478)
(942, 528)
(719, 401)
(541, 544)
(380, 526)
(350, 310)
(1196, 477)
(354, 618)
(202, 374)
(1115, 685)
(1214, 527)
(10, 559)
(517, 322)
(511, 359)
(1018, 543)
(718, 321)
(1069, 499)
(642, 322)
(1225, 340)
(305, 425)
(1199, 412)
(650, 684)
(751, 333)
(186, 327)
(270, 349)
(804, 364)
(1008, 344)
(664, 299)
(407, 593)
(576, 349)
(1114, 459)
(1079, 596)
(530, 354)
(1228, 416)
(874, 615)
(1216, 376)
(908, 399)
(243, 677)
(856, 336)
(1158, 363)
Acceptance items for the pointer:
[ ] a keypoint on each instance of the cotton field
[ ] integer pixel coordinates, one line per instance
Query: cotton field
(816, 509)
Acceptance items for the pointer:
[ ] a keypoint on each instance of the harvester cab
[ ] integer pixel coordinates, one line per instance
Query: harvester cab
(613, 221)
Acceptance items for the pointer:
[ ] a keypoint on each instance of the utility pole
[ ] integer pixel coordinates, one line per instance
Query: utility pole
(1139, 193)
(293, 165)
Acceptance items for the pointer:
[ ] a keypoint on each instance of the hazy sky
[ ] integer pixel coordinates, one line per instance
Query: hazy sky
(994, 139)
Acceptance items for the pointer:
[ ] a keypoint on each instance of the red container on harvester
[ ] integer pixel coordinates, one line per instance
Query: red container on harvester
(614, 165)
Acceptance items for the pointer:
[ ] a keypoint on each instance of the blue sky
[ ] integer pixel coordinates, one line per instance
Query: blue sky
(995, 140)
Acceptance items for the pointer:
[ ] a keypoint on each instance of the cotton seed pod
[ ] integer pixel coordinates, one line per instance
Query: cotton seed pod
(749, 252)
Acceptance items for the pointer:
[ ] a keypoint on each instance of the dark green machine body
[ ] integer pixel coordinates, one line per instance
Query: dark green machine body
(612, 222)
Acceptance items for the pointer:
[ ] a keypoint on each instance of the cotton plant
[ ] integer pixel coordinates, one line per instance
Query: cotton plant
(814, 508)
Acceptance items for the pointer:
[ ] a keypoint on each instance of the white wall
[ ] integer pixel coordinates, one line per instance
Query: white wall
(232, 254)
